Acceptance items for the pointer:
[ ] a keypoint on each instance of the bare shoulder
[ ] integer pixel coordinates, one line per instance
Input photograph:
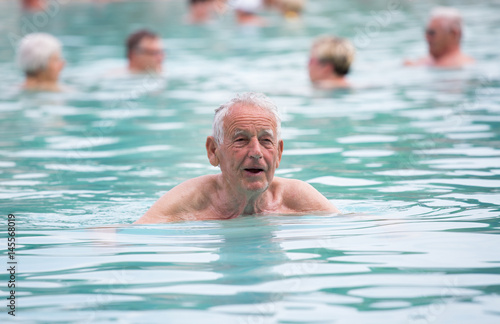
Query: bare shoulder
(418, 62)
(299, 196)
(190, 196)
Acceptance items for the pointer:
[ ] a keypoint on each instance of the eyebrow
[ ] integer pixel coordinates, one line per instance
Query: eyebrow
(268, 132)
(264, 132)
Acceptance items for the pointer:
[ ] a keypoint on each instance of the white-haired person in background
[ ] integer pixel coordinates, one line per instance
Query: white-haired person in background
(443, 35)
(247, 147)
(329, 62)
(246, 12)
(40, 57)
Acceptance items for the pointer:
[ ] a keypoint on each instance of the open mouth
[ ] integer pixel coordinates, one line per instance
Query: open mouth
(254, 170)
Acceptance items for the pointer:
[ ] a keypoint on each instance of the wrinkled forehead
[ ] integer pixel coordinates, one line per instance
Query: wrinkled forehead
(241, 117)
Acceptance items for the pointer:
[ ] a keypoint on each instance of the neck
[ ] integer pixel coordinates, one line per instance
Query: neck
(450, 53)
(231, 202)
(40, 83)
(333, 81)
(134, 69)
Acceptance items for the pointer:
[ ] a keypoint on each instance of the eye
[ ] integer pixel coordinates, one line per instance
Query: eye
(240, 140)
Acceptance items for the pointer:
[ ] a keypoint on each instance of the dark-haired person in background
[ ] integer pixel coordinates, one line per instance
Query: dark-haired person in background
(145, 52)
(200, 11)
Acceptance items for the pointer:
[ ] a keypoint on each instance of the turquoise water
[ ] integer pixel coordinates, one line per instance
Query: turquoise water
(410, 156)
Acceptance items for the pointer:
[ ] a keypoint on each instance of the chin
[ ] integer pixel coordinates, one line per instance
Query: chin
(254, 187)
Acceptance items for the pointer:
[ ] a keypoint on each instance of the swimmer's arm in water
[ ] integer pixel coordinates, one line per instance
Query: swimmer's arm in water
(180, 200)
(303, 198)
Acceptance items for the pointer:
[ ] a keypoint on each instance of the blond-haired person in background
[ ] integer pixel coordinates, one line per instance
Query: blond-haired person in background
(330, 61)
(291, 9)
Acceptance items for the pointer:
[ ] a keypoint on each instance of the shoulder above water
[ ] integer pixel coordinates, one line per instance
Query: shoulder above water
(300, 197)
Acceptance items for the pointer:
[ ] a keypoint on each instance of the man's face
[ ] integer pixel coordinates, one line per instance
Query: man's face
(439, 38)
(149, 55)
(54, 67)
(314, 68)
(318, 71)
(250, 152)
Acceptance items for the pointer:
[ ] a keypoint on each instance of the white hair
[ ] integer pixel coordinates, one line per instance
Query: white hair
(451, 17)
(251, 99)
(35, 50)
(248, 6)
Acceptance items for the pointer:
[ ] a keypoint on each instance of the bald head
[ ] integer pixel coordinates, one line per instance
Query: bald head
(444, 31)
(450, 18)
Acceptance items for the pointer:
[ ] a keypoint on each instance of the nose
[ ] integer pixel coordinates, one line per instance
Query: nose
(254, 150)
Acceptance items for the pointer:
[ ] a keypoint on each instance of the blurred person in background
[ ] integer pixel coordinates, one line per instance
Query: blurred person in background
(40, 57)
(220, 6)
(270, 4)
(443, 35)
(246, 12)
(33, 5)
(291, 9)
(145, 52)
(329, 62)
(200, 11)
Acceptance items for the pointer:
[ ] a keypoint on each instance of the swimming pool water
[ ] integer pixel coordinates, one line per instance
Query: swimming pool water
(410, 156)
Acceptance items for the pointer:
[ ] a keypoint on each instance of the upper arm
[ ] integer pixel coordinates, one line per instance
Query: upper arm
(163, 210)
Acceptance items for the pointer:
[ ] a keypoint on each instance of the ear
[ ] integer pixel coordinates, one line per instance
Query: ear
(280, 153)
(456, 34)
(326, 69)
(212, 149)
(331, 68)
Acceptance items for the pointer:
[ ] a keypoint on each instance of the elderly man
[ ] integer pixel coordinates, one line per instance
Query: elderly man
(246, 145)
(443, 35)
(329, 62)
(144, 52)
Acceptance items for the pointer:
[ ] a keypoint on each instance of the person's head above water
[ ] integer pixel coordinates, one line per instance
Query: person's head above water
(145, 52)
(443, 34)
(444, 31)
(40, 57)
(246, 145)
(291, 8)
(200, 11)
(246, 12)
(246, 142)
(330, 61)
